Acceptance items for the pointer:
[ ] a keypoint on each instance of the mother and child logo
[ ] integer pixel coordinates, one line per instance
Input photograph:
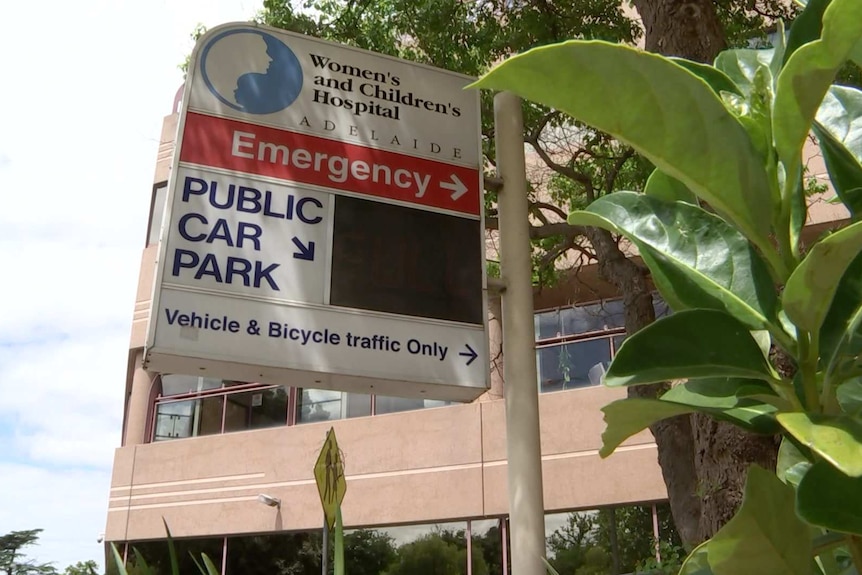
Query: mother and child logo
(251, 71)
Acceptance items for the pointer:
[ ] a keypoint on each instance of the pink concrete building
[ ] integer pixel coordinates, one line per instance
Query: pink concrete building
(197, 452)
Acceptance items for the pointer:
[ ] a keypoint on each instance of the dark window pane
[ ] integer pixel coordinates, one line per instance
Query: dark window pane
(318, 405)
(487, 546)
(358, 405)
(282, 553)
(256, 409)
(576, 364)
(614, 313)
(385, 404)
(547, 324)
(582, 319)
(155, 553)
(209, 416)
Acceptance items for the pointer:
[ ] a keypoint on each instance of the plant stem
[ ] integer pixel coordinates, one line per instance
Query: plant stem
(808, 356)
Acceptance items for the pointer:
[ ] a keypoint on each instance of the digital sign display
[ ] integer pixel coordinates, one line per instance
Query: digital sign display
(411, 262)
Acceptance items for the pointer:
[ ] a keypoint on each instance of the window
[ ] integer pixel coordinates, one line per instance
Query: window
(326, 405)
(194, 406)
(575, 344)
(385, 404)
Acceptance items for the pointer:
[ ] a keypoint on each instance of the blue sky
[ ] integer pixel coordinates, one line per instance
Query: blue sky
(83, 89)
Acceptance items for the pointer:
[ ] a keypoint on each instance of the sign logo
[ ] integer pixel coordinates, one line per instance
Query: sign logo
(268, 81)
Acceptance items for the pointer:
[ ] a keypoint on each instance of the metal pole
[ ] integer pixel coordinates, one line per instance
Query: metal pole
(526, 507)
(324, 559)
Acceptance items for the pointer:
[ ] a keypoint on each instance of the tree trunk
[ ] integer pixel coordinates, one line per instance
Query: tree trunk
(673, 436)
(704, 462)
(685, 28)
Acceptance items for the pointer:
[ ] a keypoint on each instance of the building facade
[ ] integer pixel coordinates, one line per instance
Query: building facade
(197, 452)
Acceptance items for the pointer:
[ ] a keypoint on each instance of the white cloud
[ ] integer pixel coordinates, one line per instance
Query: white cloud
(69, 504)
(84, 91)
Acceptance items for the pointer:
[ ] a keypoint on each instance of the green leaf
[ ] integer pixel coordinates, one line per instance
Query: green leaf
(697, 561)
(839, 130)
(793, 476)
(830, 499)
(809, 291)
(850, 397)
(697, 260)
(717, 80)
(118, 560)
(841, 332)
(716, 393)
(625, 417)
(765, 536)
(687, 345)
(836, 438)
(806, 27)
(717, 397)
(742, 65)
(211, 567)
(172, 551)
(788, 457)
(807, 75)
(662, 110)
(141, 562)
(663, 187)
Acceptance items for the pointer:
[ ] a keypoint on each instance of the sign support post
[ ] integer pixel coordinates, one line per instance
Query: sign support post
(324, 559)
(526, 505)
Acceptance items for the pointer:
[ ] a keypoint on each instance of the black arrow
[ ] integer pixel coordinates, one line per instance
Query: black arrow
(305, 252)
(471, 353)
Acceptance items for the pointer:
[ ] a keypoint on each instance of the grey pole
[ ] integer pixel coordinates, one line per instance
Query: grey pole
(526, 506)
(324, 559)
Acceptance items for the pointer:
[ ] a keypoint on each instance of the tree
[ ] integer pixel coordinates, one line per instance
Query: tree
(432, 554)
(721, 228)
(12, 561)
(577, 165)
(368, 552)
(82, 568)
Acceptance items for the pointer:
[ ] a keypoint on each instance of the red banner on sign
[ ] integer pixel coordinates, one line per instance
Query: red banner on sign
(304, 159)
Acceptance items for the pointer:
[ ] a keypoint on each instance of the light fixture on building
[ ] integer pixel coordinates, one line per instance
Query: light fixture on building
(269, 500)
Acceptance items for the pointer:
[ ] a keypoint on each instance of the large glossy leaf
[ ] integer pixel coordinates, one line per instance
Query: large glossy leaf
(741, 66)
(792, 463)
(697, 562)
(830, 499)
(716, 79)
(850, 397)
(836, 438)
(662, 187)
(807, 75)
(697, 260)
(687, 345)
(839, 131)
(841, 332)
(662, 110)
(806, 27)
(626, 417)
(810, 289)
(765, 537)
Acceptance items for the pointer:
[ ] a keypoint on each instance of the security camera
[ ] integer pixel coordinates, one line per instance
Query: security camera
(100, 538)
(269, 500)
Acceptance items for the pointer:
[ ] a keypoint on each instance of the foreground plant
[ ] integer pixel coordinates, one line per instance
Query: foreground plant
(720, 227)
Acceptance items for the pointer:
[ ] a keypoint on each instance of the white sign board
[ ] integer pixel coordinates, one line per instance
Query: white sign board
(324, 225)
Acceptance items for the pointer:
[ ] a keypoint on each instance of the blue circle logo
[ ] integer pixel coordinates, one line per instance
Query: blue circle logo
(251, 71)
